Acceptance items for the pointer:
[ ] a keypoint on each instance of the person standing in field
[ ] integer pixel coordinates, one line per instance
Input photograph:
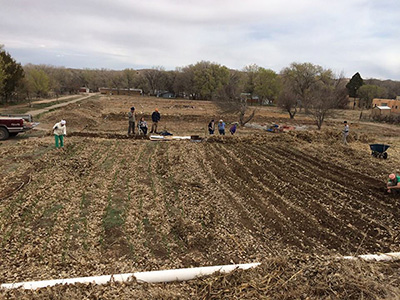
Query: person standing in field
(221, 127)
(143, 125)
(155, 117)
(59, 131)
(345, 132)
(233, 128)
(131, 117)
(211, 127)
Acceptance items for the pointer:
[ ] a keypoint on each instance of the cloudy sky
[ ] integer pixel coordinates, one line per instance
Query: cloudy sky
(345, 35)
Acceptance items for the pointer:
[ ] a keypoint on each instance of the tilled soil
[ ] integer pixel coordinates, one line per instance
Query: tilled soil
(106, 204)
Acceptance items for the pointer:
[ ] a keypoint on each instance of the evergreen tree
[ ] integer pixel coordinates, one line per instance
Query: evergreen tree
(354, 85)
(11, 74)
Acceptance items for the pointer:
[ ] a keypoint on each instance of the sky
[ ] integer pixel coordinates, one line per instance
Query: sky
(347, 36)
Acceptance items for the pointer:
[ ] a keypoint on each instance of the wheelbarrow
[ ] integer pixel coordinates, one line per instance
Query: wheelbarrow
(379, 150)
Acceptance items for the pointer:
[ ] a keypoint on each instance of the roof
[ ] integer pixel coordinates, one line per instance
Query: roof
(382, 107)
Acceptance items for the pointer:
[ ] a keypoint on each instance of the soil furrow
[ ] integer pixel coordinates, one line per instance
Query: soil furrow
(366, 224)
(300, 218)
(270, 217)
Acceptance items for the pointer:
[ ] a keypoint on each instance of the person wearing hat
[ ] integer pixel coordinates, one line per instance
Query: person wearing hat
(155, 117)
(345, 132)
(131, 117)
(59, 131)
(393, 182)
(221, 127)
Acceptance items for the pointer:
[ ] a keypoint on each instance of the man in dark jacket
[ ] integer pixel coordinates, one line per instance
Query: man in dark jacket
(155, 117)
(211, 127)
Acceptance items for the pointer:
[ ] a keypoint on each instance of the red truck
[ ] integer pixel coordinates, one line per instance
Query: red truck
(12, 125)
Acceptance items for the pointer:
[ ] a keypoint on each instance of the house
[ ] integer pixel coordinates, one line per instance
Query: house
(353, 103)
(381, 111)
(250, 99)
(166, 94)
(393, 104)
(83, 90)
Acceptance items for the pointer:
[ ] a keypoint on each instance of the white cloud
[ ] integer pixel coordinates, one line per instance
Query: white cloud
(350, 36)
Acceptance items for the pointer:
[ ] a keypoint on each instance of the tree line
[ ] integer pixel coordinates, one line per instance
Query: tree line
(299, 86)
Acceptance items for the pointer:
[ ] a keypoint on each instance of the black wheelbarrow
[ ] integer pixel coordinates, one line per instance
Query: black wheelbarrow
(379, 150)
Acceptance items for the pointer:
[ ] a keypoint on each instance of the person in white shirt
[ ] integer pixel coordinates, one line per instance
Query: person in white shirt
(60, 130)
(345, 132)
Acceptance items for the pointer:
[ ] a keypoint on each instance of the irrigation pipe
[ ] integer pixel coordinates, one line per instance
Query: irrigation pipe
(149, 277)
(171, 275)
(376, 257)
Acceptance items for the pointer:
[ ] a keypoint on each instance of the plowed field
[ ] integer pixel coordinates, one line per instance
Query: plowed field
(108, 205)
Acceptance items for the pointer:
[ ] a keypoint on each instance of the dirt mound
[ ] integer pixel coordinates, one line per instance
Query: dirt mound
(106, 135)
(115, 116)
(328, 136)
(304, 278)
(77, 115)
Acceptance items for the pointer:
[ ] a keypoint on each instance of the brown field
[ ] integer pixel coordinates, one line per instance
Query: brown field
(108, 204)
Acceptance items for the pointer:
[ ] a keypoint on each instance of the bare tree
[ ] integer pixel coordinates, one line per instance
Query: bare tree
(288, 101)
(324, 96)
(230, 101)
(155, 79)
(301, 78)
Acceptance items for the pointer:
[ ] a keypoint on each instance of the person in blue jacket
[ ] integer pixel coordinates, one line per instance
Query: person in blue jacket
(221, 127)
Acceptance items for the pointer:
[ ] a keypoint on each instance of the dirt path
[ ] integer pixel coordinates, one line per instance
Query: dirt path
(47, 109)
(11, 108)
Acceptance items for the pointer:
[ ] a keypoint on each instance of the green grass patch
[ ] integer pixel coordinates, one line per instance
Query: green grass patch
(84, 211)
(113, 218)
(52, 210)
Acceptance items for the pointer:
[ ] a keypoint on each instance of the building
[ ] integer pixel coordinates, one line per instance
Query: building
(381, 111)
(166, 94)
(115, 91)
(83, 90)
(393, 104)
(354, 103)
(250, 99)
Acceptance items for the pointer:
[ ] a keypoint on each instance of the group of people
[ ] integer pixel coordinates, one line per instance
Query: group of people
(60, 128)
(221, 127)
(142, 124)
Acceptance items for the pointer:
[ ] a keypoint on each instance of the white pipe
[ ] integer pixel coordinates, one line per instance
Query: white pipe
(150, 277)
(376, 257)
(169, 137)
(171, 275)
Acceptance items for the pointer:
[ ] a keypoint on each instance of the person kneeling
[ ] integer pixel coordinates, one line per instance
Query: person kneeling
(393, 183)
